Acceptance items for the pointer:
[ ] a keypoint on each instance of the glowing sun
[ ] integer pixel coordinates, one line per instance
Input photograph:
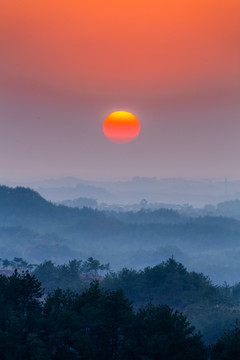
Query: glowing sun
(121, 127)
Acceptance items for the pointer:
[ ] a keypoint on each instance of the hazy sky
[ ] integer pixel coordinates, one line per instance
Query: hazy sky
(66, 64)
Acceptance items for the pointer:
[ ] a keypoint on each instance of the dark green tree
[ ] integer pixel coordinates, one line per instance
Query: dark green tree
(162, 333)
(20, 317)
(227, 346)
(47, 273)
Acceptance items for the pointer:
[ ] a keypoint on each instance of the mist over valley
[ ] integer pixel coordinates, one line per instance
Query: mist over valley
(134, 235)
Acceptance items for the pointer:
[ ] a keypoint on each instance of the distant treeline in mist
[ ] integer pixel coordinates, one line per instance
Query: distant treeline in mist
(36, 229)
(132, 191)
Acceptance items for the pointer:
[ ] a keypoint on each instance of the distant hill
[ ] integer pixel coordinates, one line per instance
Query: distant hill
(197, 192)
(81, 203)
(229, 209)
(25, 207)
(71, 193)
(36, 229)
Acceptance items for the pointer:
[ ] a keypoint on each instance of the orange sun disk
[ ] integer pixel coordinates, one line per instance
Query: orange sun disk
(121, 127)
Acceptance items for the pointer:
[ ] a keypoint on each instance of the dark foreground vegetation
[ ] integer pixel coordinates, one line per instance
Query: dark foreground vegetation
(151, 314)
(209, 307)
(94, 324)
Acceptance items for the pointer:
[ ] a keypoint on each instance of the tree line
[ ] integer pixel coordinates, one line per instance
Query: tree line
(93, 324)
(210, 308)
(97, 324)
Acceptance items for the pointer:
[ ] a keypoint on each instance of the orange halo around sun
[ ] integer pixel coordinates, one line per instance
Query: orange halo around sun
(121, 127)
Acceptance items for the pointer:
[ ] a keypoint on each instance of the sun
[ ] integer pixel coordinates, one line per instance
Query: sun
(121, 127)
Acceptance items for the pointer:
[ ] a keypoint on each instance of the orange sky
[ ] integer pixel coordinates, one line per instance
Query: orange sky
(66, 64)
(130, 46)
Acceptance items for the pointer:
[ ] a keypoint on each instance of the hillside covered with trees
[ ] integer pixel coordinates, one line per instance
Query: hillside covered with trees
(210, 308)
(31, 227)
(100, 322)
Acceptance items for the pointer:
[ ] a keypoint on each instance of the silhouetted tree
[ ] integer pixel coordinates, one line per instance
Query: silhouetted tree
(162, 333)
(227, 346)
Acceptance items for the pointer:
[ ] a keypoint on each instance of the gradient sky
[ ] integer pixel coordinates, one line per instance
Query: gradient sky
(66, 64)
